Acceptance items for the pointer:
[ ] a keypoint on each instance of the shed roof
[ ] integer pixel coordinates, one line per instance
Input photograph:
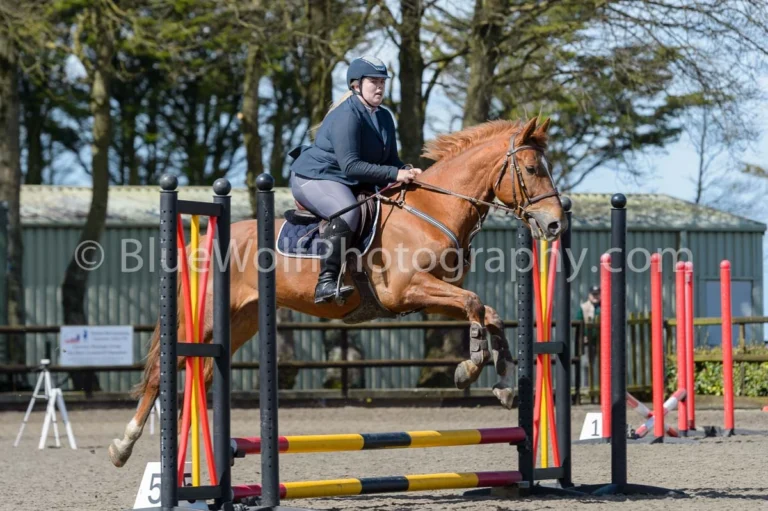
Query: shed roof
(45, 205)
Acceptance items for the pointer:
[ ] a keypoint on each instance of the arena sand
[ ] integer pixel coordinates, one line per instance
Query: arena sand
(716, 474)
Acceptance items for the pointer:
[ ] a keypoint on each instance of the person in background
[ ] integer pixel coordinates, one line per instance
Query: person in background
(589, 313)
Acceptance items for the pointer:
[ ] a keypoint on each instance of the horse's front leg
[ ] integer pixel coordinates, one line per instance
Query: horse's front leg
(502, 358)
(435, 296)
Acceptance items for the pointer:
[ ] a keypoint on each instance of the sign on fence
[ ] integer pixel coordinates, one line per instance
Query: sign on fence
(84, 345)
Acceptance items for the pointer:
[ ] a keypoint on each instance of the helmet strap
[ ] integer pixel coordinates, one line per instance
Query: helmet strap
(360, 92)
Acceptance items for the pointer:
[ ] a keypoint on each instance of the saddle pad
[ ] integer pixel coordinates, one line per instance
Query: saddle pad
(297, 240)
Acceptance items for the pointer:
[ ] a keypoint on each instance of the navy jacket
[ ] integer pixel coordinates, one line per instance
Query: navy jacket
(349, 149)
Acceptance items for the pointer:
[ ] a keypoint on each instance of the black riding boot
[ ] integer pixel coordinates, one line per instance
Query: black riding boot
(338, 235)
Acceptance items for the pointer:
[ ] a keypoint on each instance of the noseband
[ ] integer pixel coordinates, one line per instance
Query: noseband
(526, 200)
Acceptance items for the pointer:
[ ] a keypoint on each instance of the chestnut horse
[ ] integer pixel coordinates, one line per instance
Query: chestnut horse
(497, 160)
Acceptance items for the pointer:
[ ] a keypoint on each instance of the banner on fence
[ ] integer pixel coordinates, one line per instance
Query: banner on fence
(84, 345)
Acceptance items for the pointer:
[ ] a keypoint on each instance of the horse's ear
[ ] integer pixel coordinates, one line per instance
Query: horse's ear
(543, 127)
(527, 131)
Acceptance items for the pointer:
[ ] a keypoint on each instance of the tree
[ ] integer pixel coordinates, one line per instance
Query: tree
(95, 45)
(616, 76)
(486, 37)
(250, 121)
(10, 174)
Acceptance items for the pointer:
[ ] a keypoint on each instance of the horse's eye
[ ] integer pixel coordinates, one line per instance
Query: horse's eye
(531, 170)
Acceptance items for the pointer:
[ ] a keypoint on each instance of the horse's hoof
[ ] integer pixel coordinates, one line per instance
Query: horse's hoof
(505, 395)
(466, 374)
(116, 456)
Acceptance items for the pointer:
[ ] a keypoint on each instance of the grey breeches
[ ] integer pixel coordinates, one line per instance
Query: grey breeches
(323, 198)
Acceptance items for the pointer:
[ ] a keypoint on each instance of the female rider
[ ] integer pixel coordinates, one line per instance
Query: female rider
(355, 144)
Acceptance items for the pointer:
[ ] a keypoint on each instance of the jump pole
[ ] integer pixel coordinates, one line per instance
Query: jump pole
(268, 404)
(525, 378)
(657, 348)
(682, 350)
(619, 484)
(563, 359)
(619, 340)
(690, 374)
(727, 344)
(605, 344)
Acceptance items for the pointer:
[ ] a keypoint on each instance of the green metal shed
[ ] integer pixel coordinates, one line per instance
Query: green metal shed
(122, 293)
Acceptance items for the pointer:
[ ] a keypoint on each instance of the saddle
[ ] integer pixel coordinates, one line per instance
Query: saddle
(299, 237)
(302, 216)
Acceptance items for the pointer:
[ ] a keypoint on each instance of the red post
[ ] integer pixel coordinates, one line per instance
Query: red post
(727, 341)
(689, 371)
(657, 348)
(682, 366)
(605, 343)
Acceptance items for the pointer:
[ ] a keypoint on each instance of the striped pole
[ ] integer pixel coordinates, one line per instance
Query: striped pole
(397, 440)
(669, 405)
(646, 413)
(371, 485)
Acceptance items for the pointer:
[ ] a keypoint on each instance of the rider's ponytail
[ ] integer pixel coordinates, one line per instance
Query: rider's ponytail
(341, 100)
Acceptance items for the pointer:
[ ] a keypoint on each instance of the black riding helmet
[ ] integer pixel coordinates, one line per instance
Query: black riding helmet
(366, 66)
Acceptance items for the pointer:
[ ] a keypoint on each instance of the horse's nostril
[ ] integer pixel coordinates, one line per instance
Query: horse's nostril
(553, 227)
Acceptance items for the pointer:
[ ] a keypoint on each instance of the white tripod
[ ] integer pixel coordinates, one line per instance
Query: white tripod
(54, 397)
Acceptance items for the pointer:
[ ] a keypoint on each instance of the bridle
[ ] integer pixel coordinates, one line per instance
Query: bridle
(525, 200)
(510, 160)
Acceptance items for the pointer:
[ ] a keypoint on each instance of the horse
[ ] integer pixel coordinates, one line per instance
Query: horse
(498, 160)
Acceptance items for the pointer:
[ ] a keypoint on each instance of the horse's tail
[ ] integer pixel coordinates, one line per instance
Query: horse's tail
(152, 359)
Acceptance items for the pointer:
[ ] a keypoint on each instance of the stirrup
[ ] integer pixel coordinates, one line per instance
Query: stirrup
(338, 295)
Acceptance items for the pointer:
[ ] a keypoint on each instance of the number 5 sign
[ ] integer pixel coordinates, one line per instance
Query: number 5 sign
(149, 490)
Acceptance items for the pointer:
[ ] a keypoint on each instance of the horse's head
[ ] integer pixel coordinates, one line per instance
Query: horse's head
(526, 185)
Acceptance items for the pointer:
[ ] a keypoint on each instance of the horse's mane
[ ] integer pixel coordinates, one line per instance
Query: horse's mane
(451, 144)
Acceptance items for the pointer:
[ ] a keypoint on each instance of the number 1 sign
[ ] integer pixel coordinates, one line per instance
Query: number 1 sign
(593, 426)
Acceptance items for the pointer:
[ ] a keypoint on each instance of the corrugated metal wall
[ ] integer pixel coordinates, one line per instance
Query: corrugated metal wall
(119, 297)
(114, 296)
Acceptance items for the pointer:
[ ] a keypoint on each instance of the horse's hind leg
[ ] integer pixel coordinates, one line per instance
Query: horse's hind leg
(504, 390)
(120, 449)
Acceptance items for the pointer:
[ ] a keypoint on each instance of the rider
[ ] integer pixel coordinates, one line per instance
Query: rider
(355, 144)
